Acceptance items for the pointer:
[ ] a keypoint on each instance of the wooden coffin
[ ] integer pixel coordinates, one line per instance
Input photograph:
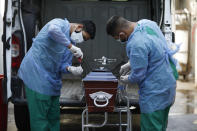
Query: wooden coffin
(100, 91)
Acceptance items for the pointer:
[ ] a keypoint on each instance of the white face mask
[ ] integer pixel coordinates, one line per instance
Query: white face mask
(77, 37)
(120, 41)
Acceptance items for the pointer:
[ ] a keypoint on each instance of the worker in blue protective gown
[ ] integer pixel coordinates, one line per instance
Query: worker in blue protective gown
(150, 62)
(41, 69)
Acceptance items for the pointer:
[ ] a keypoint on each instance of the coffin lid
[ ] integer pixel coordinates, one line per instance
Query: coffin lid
(100, 76)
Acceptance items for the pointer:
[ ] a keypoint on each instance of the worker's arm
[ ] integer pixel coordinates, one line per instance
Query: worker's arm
(66, 62)
(66, 67)
(75, 70)
(139, 61)
(124, 69)
(55, 32)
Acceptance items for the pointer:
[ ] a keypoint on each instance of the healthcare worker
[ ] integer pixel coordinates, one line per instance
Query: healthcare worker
(150, 62)
(41, 69)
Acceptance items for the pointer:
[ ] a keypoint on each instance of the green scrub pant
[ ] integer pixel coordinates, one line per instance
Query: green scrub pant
(44, 111)
(155, 121)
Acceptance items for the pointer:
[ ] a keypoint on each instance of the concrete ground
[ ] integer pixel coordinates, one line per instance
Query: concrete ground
(182, 117)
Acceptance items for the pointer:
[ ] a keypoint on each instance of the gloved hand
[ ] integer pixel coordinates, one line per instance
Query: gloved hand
(125, 68)
(124, 79)
(76, 51)
(75, 70)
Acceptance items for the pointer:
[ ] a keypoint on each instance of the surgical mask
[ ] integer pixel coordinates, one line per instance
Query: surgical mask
(77, 37)
(122, 42)
(118, 40)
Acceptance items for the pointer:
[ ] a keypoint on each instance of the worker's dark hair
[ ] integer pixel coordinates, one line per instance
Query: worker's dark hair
(114, 24)
(89, 27)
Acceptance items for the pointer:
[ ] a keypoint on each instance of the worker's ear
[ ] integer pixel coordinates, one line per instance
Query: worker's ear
(122, 35)
(79, 28)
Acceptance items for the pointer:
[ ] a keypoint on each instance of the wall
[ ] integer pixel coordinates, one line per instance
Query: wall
(196, 60)
(190, 7)
(1, 31)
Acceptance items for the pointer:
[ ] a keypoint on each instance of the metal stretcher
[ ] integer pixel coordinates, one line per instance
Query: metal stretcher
(102, 95)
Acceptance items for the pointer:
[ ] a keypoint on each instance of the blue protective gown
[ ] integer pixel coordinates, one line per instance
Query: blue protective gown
(48, 58)
(149, 57)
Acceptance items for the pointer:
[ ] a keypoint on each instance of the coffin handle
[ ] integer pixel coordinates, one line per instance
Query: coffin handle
(101, 105)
